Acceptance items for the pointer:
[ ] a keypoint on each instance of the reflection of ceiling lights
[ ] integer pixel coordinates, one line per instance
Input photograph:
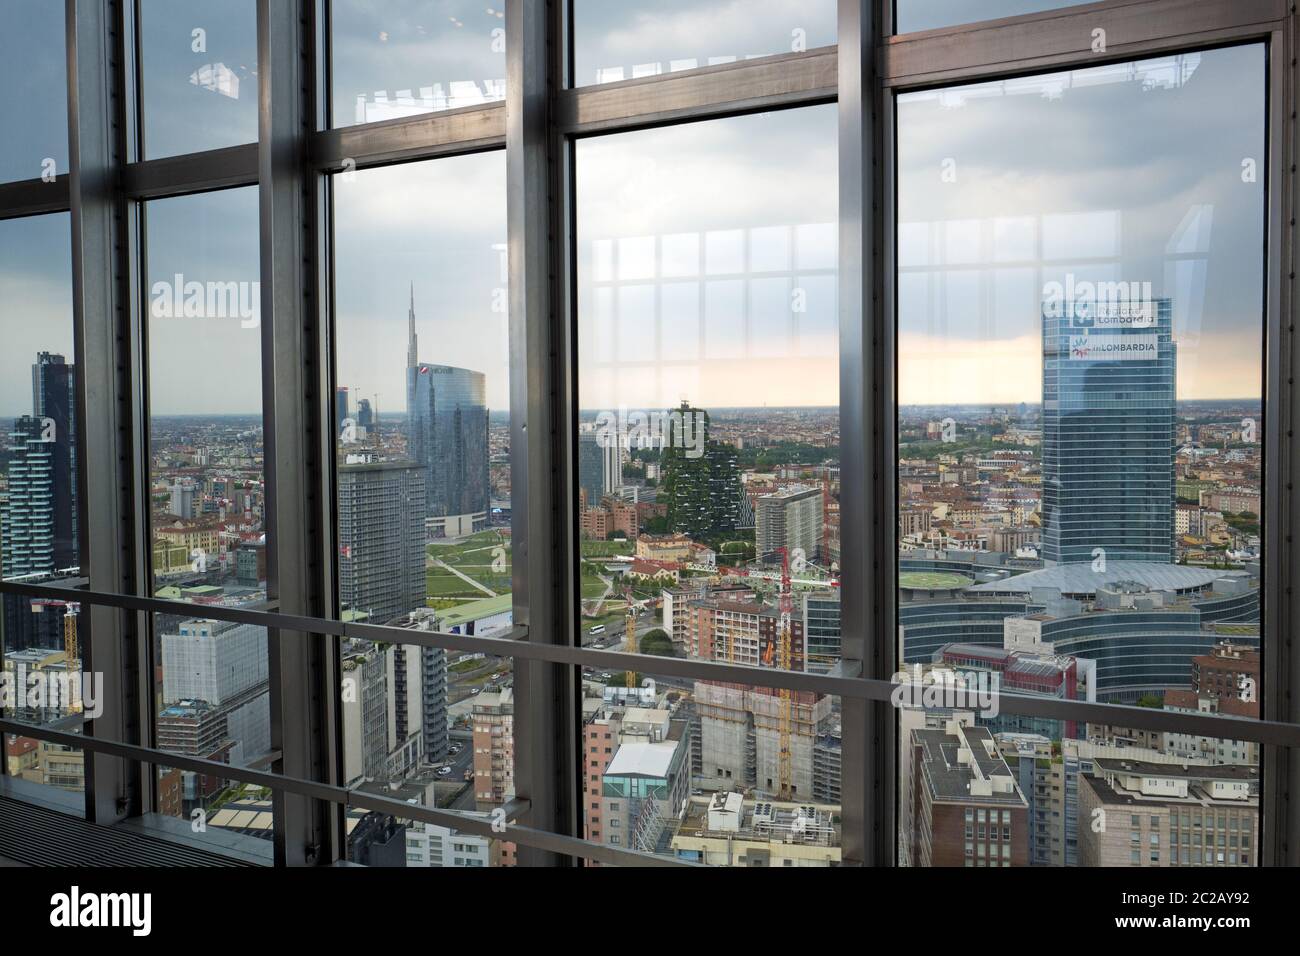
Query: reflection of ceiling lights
(1164, 73)
(217, 78)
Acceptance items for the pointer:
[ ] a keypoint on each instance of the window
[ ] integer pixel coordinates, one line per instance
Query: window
(912, 15)
(1052, 363)
(400, 59)
(34, 114)
(1079, 389)
(613, 42)
(42, 677)
(208, 507)
(197, 75)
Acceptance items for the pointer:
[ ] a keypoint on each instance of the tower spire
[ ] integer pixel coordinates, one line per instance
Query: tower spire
(413, 341)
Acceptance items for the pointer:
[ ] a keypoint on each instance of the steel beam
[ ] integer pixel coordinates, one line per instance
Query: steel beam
(542, 421)
(106, 340)
(1065, 38)
(298, 431)
(774, 82)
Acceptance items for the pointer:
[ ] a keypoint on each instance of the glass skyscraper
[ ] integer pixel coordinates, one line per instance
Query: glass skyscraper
(1109, 393)
(448, 435)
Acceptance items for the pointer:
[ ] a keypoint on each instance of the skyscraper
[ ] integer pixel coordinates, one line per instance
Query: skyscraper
(448, 436)
(54, 402)
(1109, 393)
(701, 480)
(591, 467)
(789, 519)
(381, 510)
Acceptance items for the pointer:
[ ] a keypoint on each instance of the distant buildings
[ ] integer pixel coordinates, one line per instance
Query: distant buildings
(740, 737)
(1134, 813)
(728, 829)
(494, 748)
(966, 809)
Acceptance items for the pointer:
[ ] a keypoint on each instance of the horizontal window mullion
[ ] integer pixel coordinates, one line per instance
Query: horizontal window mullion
(428, 136)
(192, 173)
(1066, 39)
(796, 79)
(35, 197)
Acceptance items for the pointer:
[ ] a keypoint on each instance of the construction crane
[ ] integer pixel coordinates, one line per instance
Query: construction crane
(71, 647)
(629, 635)
(785, 707)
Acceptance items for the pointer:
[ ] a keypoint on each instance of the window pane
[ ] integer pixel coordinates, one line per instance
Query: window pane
(422, 368)
(709, 387)
(41, 678)
(198, 75)
(1062, 794)
(709, 461)
(34, 112)
(407, 57)
(616, 41)
(208, 498)
(693, 770)
(1079, 384)
(914, 15)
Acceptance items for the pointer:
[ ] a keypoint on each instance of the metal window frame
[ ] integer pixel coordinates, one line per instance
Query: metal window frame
(537, 125)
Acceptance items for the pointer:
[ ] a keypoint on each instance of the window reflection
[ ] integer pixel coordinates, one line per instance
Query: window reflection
(423, 478)
(1080, 346)
(613, 42)
(914, 15)
(208, 501)
(408, 57)
(198, 75)
(34, 113)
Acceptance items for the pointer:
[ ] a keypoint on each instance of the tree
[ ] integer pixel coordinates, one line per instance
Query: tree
(657, 643)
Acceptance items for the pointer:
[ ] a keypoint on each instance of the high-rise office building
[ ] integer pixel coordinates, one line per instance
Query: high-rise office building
(591, 467)
(1109, 375)
(381, 509)
(54, 402)
(791, 520)
(701, 480)
(341, 409)
(448, 435)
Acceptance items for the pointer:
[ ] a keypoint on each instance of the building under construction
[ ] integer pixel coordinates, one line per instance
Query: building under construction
(740, 736)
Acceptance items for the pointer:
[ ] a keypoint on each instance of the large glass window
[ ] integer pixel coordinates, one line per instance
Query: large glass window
(42, 680)
(422, 408)
(207, 493)
(616, 41)
(708, 440)
(403, 58)
(1080, 354)
(34, 110)
(198, 75)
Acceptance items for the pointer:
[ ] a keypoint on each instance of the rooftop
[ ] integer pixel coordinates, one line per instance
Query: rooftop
(1080, 580)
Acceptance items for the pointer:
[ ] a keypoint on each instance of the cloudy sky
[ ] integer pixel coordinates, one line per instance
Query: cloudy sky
(706, 252)
(1149, 172)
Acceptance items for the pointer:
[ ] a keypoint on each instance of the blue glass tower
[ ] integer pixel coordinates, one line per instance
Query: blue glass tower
(1109, 394)
(448, 433)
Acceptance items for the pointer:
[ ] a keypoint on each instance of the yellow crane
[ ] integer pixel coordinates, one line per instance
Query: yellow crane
(785, 707)
(71, 646)
(629, 636)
